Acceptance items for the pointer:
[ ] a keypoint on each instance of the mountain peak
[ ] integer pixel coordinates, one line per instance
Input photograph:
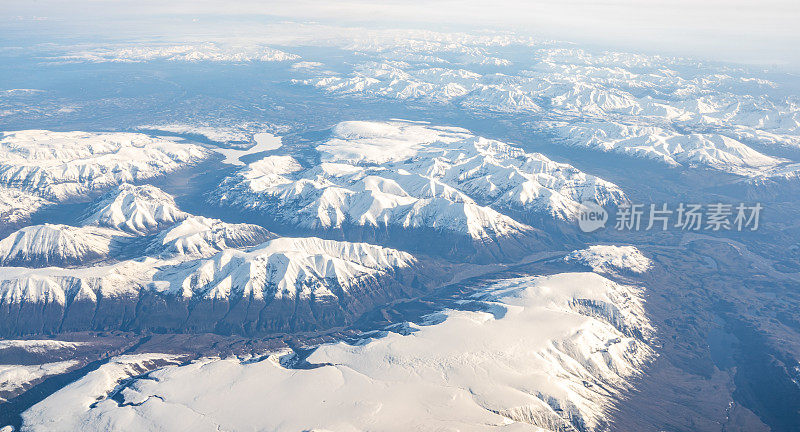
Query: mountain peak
(136, 209)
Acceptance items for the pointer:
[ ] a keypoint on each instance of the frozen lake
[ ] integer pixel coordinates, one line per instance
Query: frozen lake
(264, 142)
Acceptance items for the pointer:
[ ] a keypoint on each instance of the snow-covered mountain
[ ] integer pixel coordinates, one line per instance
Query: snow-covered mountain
(287, 267)
(674, 110)
(120, 215)
(670, 147)
(59, 245)
(460, 201)
(61, 165)
(419, 304)
(136, 209)
(547, 353)
(179, 271)
(197, 235)
(332, 195)
(290, 283)
(206, 52)
(410, 176)
(281, 285)
(16, 205)
(488, 171)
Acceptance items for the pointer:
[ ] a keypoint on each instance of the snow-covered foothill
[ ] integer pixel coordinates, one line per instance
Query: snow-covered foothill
(611, 259)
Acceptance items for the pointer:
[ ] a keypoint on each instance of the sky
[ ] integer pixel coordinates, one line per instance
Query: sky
(762, 32)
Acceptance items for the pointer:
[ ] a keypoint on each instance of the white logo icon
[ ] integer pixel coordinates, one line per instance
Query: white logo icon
(591, 217)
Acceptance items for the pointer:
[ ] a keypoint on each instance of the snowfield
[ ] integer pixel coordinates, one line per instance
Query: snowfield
(15, 377)
(100, 382)
(548, 353)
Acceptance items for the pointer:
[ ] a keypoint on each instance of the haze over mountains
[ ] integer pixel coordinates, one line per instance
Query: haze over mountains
(710, 30)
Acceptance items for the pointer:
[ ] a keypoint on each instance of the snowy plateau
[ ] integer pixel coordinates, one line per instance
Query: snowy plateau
(541, 355)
